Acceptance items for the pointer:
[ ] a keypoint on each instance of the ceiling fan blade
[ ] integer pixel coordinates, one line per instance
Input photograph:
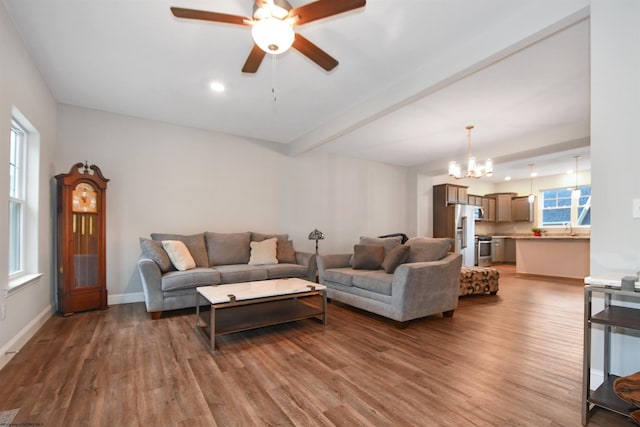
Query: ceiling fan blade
(314, 53)
(253, 60)
(209, 16)
(324, 8)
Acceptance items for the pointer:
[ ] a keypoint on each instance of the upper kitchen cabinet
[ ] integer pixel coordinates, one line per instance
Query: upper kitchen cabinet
(522, 210)
(449, 194)
(503, 206)
(489, 206)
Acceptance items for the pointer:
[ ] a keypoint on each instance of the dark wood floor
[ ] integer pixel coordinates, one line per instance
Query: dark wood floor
(514, 359)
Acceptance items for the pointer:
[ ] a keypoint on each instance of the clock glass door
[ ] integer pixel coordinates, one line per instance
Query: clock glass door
(85, 253)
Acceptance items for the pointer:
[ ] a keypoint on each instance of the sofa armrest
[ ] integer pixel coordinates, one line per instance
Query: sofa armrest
(151, 284)
(308, 259)
(424, 288)
(331, 261)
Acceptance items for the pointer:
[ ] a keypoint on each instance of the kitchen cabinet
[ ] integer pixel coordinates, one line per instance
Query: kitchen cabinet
(503, 206)
(447, 194)
(625, 320)
(510, 250)
(497, 249)
(489, 206)
(474, 200)
(522, 210)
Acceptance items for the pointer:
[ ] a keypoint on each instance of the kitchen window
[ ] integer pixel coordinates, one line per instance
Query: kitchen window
(566, 206)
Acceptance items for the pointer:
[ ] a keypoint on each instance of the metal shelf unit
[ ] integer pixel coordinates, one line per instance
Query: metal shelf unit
(612, 316)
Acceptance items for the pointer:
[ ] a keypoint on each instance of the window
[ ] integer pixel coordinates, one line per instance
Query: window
(17, 199)
(564, 206)
(24, 178)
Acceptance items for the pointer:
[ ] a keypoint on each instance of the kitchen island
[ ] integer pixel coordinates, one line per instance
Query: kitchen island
(559, 256)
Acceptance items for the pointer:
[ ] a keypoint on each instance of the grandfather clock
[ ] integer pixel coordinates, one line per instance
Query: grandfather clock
(81, 243)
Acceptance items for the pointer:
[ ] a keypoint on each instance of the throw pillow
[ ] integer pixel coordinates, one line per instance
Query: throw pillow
(179, 254)
(426, 249)
(395, 257)
(285, 252)
(228, 248)
(387, 242)
(367, 257)
(195, 244)
(153, 250)
(263, 252)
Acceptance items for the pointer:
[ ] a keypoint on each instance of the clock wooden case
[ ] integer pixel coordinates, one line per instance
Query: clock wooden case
(81, 239)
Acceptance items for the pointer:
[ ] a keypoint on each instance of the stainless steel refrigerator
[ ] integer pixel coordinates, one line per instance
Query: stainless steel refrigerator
(462, 219)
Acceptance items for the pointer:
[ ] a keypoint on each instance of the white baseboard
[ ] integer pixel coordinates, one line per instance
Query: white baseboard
(125, 298)
(21, 338)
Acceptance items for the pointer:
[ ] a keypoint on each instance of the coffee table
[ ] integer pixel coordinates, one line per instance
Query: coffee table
(242, 306)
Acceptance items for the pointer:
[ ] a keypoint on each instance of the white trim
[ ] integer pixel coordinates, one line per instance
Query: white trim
(20, 283)
(125, 298)
(22, 337)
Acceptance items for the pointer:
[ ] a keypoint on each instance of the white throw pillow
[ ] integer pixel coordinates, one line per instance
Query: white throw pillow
(179, 254)
(264, 252)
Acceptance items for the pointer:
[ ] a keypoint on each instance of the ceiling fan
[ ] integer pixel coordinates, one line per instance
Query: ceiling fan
(272, 27)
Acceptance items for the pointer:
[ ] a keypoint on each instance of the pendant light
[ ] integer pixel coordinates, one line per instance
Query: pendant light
(576, 189)
(532, 197)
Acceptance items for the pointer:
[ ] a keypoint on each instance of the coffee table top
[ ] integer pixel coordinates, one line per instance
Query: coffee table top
(258, 289)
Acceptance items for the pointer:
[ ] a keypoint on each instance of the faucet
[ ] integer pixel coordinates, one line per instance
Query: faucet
(570, 227)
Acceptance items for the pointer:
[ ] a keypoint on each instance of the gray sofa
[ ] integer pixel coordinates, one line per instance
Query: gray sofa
(219, 258)
(423, 280)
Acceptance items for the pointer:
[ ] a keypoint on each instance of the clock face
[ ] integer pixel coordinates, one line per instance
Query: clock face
(85, 198)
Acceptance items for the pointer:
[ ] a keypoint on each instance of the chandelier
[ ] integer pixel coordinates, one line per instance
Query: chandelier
(474, 170)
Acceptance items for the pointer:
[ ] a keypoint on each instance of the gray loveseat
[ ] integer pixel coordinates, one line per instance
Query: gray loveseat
(219, 258)
(400, 282)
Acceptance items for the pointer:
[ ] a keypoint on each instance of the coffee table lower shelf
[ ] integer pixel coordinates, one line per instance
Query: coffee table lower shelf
(242, 316)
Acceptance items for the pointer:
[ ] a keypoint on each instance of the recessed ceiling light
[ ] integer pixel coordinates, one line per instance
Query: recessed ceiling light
(217, 87)
(507, 178)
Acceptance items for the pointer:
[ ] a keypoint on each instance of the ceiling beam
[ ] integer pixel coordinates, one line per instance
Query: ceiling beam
(478, 54)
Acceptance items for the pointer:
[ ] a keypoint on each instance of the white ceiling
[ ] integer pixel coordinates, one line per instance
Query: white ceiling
(412, 75)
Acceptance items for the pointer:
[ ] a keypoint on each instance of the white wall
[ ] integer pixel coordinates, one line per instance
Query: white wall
(615, 150)
(22, 87)
(167, 178)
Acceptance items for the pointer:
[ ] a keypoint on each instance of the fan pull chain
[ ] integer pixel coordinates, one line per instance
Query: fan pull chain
(273, 78)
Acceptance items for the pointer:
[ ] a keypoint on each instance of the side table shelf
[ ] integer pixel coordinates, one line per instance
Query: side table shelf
(611, 316)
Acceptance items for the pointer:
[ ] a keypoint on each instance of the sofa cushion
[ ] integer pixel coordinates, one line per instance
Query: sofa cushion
(241, 273)
(367, 257)
(189, 279)
(395, 257)
(228, 248)
(263, 252)
(179, 254)
(195, 244)
(259, 237)
(279, 271)
(374, 281)
(388, 242)
(426, 249)
(285, 252)
(344, 276)
(153, 250)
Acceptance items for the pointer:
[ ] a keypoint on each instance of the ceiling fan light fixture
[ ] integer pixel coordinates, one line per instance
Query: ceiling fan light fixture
(273, 35)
